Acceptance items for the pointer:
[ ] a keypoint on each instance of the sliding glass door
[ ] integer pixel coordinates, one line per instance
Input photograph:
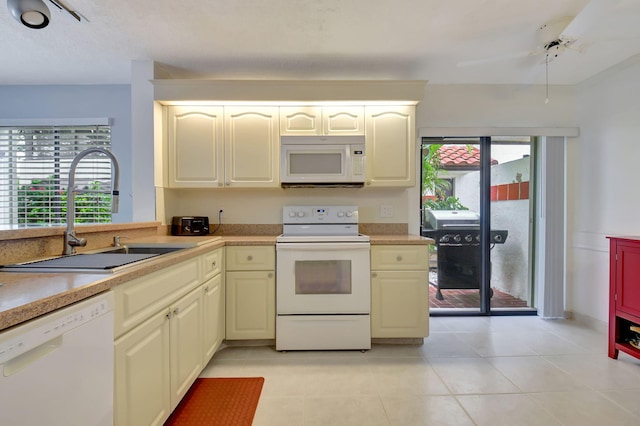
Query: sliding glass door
(475, 205)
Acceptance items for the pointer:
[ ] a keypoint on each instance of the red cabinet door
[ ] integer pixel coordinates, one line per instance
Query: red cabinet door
(628, 278)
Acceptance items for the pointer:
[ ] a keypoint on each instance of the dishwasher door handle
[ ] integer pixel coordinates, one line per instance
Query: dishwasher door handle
(24, 360)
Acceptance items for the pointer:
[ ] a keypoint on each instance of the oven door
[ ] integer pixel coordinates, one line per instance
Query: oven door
(323, 278)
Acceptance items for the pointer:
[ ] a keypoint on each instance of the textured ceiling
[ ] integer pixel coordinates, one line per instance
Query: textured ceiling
(317, 39)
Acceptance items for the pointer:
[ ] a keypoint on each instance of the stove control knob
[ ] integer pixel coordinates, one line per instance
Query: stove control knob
(292, 213)
(349, 214)
(340, 214)
(300, 214)
(457, 238)
(444, 239)
(478, 238)
(468, 238)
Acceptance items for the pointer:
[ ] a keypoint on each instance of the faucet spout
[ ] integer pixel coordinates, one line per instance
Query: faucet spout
(71, 241)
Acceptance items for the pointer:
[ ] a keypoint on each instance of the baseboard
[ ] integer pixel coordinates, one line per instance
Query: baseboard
(588, 321)
(398, 341)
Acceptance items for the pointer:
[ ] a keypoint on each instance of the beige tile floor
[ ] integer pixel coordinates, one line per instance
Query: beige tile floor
(470, 371)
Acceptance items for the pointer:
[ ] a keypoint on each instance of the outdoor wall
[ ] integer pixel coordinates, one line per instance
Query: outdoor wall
(509, 261)
(79, 101)
(602, 183)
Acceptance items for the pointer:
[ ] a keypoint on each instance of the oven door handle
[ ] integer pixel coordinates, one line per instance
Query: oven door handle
(322, 246)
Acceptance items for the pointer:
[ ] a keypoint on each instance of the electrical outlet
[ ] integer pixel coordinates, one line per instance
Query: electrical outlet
(386, 211)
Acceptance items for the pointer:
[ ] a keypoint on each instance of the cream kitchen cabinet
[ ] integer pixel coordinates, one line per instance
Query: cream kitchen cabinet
(399, 291)
(157, 362)
(250, 287)
(316, 120)
(216, 147)
(214, 301)
(167, 326)
(195, 146)
(391, 146)
(252, 140)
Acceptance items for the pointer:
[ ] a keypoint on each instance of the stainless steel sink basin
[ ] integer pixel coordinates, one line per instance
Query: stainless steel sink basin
(109, 260)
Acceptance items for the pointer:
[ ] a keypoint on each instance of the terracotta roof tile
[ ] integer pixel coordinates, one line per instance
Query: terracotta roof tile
(460, 156)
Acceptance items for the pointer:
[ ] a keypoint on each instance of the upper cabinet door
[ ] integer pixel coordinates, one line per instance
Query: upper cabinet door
(315, 120)
(252, 147)
(390, 141)
(347, 120)
(195, 146)
(300, 120)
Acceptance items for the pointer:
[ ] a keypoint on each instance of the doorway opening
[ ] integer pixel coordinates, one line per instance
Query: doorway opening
(477, 204)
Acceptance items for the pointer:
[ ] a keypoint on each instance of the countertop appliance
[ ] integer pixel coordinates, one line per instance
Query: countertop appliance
(322, 161)
(457, 237)
(58, 368)
(323, 284)
(190, 225)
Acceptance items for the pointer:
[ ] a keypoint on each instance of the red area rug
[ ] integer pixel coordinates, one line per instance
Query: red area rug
(218, 402)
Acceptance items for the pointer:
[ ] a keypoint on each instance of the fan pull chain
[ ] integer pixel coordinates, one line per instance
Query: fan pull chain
(546, 100)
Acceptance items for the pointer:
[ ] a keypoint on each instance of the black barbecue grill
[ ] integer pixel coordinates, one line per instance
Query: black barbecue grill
(457, 237)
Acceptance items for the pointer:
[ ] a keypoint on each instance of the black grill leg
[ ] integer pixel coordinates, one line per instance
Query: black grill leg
(439, 295)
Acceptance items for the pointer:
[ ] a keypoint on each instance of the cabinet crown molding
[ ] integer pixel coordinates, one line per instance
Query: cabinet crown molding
(409, 92)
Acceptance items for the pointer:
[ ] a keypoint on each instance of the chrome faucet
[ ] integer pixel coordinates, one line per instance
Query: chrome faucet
(71, 241)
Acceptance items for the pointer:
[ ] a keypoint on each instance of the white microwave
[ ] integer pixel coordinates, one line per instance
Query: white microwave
(322, 161)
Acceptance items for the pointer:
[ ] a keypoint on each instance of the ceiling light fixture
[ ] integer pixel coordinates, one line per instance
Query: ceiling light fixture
(35, 13)
(32, 13)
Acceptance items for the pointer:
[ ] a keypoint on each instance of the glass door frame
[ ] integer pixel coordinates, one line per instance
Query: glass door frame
(485, 227)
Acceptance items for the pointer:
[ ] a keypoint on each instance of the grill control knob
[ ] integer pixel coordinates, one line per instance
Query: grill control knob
(444, 239)
(468, 238)
(478, 238)
(457, 238)
(497, 238)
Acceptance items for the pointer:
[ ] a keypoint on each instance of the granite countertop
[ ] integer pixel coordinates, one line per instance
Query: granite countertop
(24, 296)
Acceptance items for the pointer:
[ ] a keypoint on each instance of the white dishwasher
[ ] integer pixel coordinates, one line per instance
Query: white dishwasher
(58, 368)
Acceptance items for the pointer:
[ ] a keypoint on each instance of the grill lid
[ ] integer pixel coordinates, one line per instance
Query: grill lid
(442, 219)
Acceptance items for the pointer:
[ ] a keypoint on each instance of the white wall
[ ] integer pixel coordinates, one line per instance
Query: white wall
(68, 102)
(602, 183)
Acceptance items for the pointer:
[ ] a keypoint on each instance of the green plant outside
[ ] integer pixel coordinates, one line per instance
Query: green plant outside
(42, 203)
(431, 182)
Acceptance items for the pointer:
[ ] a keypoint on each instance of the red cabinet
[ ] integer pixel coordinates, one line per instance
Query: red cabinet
(624, 295)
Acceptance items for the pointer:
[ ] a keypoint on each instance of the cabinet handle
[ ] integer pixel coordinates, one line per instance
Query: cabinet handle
(374, 274)
(399, 258)
(213, 264)
(270, 275)
(206, 289)
(168, 315)
(176, 311)
(249, 258)
(220, 184)
(227, 183)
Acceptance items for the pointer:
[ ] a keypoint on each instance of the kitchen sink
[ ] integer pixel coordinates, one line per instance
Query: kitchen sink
(108, 260)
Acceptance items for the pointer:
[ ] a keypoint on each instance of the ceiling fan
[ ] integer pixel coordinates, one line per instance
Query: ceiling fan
(557, 36)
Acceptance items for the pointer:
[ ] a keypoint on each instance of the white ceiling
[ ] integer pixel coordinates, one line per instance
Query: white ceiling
(315, 39)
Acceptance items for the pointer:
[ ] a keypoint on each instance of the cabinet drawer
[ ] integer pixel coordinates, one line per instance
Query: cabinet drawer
(400, 257)
(138, 299)
(212, 263)
(250, 258)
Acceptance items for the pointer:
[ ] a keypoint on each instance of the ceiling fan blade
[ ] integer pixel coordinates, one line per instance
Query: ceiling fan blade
(587, 18)
(498, 58)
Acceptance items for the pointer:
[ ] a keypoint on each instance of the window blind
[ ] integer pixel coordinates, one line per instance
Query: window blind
(34, 172)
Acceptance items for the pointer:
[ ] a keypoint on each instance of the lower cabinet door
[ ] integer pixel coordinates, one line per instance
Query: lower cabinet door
(186, 344)
(251, 305)
(213, 314)
(142, 377)
(399, 304)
